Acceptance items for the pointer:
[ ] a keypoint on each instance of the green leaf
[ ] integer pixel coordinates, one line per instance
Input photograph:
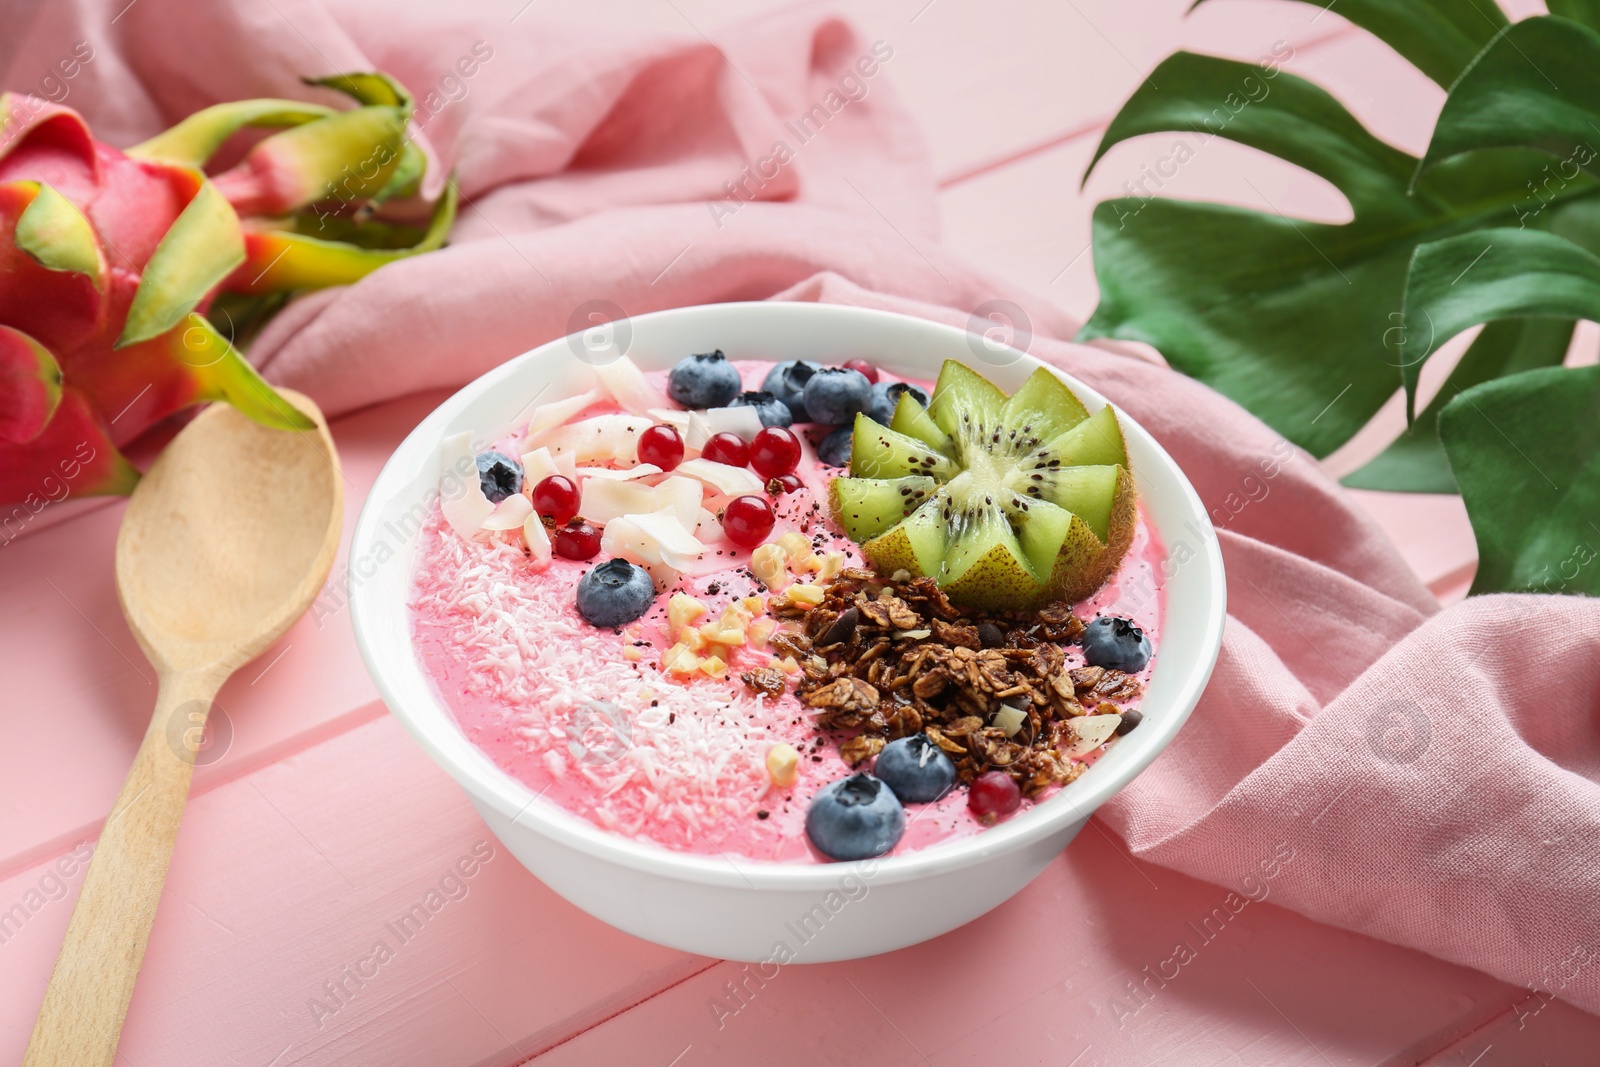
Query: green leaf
(1438, 37)
(1584, 11)
(1296, 321)
(1537, 85)
(1285, 318)
(1415, 461)
(1523, 450)
(1280, 113)
(1487, 275)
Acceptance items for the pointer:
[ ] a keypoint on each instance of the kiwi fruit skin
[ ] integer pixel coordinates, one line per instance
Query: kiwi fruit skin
(969, 422)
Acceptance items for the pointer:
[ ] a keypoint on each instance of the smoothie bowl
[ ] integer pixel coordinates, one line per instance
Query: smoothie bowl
(785, 632)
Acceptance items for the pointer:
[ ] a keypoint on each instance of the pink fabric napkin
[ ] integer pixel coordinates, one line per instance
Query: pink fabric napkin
(1423, 776)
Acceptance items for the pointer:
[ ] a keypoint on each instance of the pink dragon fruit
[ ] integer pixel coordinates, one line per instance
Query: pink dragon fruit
(115, 264)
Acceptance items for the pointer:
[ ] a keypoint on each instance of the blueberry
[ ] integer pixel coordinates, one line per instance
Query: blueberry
(1115, 644)
(787, 381)
(855, 818)
(915, 768)
(500, 476)
(886, 397)
(706, 380)
(614, 593)
(835, 395)
(773, 411)
(835, 448)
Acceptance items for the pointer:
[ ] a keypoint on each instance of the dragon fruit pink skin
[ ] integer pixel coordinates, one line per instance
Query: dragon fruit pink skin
(111, 260)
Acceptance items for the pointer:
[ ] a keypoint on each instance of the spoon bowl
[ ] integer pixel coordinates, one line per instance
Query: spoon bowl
(222, 536)
(224, 544)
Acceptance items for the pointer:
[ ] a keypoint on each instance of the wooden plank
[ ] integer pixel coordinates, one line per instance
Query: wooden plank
(284, 883)
(1070, 972)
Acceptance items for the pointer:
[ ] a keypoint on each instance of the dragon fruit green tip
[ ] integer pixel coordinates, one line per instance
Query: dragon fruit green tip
(112, 263)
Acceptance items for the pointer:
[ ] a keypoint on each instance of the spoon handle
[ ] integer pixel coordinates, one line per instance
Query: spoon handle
(81, 1019)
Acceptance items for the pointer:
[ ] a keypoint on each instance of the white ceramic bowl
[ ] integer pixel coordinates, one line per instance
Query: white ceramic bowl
(750, 911)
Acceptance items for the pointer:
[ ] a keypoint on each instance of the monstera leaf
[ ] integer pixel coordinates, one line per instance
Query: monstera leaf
(1313, 326)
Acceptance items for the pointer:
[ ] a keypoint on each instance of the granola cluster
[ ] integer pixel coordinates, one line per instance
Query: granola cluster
(887, 658)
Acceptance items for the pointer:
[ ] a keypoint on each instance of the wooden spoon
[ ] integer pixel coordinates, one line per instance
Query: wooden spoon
(225, 543)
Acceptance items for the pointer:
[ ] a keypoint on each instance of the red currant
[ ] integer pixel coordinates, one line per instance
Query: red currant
(774, 452)
(576, 540)
(662, 446)
(785, 483)
(727, 448)
(867, 370)
(556, 498)
(747, 521)
(992, 795)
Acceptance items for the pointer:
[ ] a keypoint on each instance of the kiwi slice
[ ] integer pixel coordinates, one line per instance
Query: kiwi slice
(866, 507)
(1007, 502)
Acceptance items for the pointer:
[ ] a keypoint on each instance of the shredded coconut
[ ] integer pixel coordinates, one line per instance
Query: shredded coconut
(675, 767)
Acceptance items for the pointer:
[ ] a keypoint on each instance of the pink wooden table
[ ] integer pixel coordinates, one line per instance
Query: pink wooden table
(322, 822)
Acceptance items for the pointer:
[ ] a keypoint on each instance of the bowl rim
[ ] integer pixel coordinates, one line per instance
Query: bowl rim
(486, 782)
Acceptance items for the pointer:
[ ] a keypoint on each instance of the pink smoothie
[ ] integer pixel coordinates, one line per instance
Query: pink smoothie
(674, 763)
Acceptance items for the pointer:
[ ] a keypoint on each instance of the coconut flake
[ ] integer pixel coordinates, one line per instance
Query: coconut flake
(611, 438)
(466, 510)
(677, 418)
(625, 383)
(540, 464)
(605, 499)
(557, 412)
(509, 513)
(678, 546)
(642, 470)
(726, 480)
(537, 539)
(708, 529)
(745, 422)
(683, 496)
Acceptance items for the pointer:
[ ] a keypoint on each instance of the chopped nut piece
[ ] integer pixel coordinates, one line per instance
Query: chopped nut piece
(681, 660)
(682, 610)
(631, 653)
(788, 665)
(723, 633)
(754, 605)
(832, 565)
(795, 545)
(760, 630)
(714, 666)
(770, 566)
(783, 765)
(1010, 719)
(901, 575)
(805, 596)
